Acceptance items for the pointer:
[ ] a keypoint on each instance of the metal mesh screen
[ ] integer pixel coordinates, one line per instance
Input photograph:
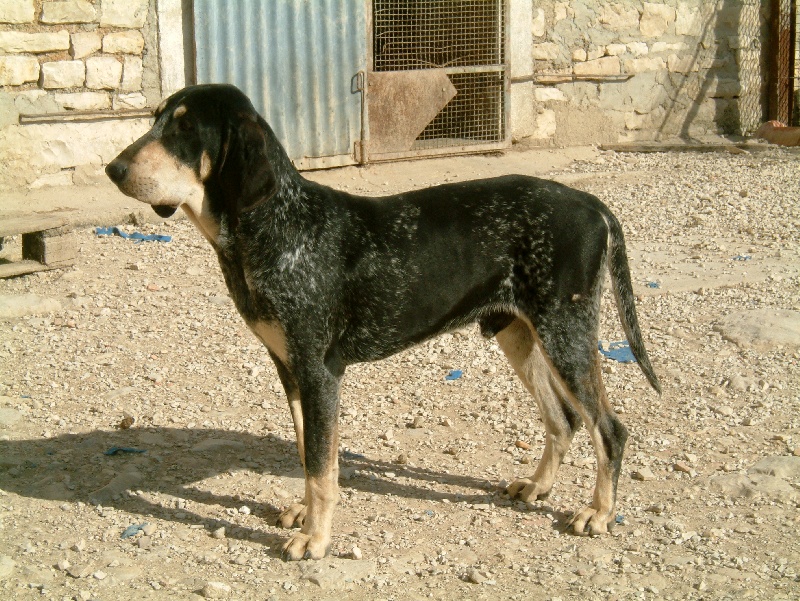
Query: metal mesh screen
(475, 114)
(751, 75)
(785, 55)
(424, 34)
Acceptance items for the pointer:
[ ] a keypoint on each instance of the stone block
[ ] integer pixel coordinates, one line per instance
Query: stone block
(103, 73)
(616, 49)
(641, 65)
(521, 111)
(656, 19)
(123, 42)
(130, 101)
(17, 70)
(132, 72)
(682, 64)
(619, 16)
(56, 247)
(71, 11)
(725, 88)
(546, 51)
(130, 14)
(21, 41)
(35, 101)
(595, 53)
(85, 43)
(563, 11)
(539, 23)
(16, 11)
(638, 48)
(688, 20)
(63, 74)
(548, 95)
(667, 47)
(545, 125)
(607, 65)
(634, 121)
(83, 101)
(579, 55)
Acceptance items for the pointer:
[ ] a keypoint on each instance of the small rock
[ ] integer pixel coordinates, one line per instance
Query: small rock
(79, 546)
(402, 459)
(63, 564)
(145, 542)
(244, 509)
(79, 571)
(356, 553)
(148, 529)
(99, 575)
(644, 474)
(476, 577)
(521, 444)
(218, 533)
(215, 590)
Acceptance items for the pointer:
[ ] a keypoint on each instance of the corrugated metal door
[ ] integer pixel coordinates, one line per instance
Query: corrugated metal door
(298, 61)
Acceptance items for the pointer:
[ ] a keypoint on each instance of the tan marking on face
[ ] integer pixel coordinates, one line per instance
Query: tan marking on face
(162, 105)
(179, 112)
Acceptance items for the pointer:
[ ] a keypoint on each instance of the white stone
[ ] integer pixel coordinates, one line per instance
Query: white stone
(63, 74)
(682, 64)
(667, 47)
(688, 21)
(619, 16)
(132, 72)
(17, 70)
(85, 43)
(545, 124)
(546, 51)
(595, 53)
(49, 180)
(641, 65)
(522, 114)
(539, 23)
(616, 49)
(103, 73)
(20, 41)
(548, 95)
(656, 19)
(72, 11)
(84, 101)
(607, 65)
(136, 100)
(638, 48)
(579, 55)
(16, 11)
(634, 121)
(131, 14)
(123, 42)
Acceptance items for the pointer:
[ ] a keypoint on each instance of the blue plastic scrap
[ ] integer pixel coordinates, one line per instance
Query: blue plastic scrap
(742, 258)
(117, 450)
(133, 530)
(618, 351)
(653, 285)
(136, 236)
(454, 374)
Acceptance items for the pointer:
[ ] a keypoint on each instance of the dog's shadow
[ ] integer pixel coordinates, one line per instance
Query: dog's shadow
(162, 480)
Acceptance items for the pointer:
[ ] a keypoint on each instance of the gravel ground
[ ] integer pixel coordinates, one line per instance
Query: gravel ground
(139, 347)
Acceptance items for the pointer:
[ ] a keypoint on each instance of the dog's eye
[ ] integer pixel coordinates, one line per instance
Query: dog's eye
(185, 125)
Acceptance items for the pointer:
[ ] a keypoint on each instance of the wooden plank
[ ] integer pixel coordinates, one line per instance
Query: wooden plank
(53, 247)
(9, 270)
(29, 223)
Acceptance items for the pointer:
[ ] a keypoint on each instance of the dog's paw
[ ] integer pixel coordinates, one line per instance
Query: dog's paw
(590, 522)
(293, 516)
(527, 490)
(304, 546)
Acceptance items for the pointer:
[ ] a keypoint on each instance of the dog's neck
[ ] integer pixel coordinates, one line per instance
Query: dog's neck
(198, 211)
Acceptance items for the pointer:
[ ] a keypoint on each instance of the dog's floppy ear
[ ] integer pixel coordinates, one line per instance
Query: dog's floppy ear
(244, 174)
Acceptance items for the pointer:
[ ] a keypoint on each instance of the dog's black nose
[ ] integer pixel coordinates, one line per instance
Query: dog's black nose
(116, 170)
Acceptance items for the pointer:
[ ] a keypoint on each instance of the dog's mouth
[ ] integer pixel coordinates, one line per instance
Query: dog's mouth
(164, 211)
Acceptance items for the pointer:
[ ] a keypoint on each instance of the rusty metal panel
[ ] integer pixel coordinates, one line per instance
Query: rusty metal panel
(298, 61)
(402, 104)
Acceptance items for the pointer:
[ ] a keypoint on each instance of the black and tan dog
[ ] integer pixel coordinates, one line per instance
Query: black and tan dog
(326, 279)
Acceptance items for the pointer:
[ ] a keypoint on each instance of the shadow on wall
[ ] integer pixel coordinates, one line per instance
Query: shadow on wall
(724, 75)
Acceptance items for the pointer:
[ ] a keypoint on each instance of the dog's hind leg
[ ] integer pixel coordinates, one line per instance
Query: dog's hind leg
(294, 515)
(524, 351)
(572, 350)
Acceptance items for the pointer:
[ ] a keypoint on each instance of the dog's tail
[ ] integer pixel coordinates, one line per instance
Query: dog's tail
(623, 293)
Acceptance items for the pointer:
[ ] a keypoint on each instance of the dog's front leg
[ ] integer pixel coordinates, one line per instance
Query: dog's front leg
(319, 399)
(295, 514)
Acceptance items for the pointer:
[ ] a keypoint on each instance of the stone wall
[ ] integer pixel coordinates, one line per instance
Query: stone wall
(642, 70)
(65, 56)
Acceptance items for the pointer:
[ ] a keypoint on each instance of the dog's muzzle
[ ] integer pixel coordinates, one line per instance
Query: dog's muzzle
(117, 172)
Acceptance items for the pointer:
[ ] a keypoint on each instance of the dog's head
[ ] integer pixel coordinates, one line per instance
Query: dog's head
(206, 151)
